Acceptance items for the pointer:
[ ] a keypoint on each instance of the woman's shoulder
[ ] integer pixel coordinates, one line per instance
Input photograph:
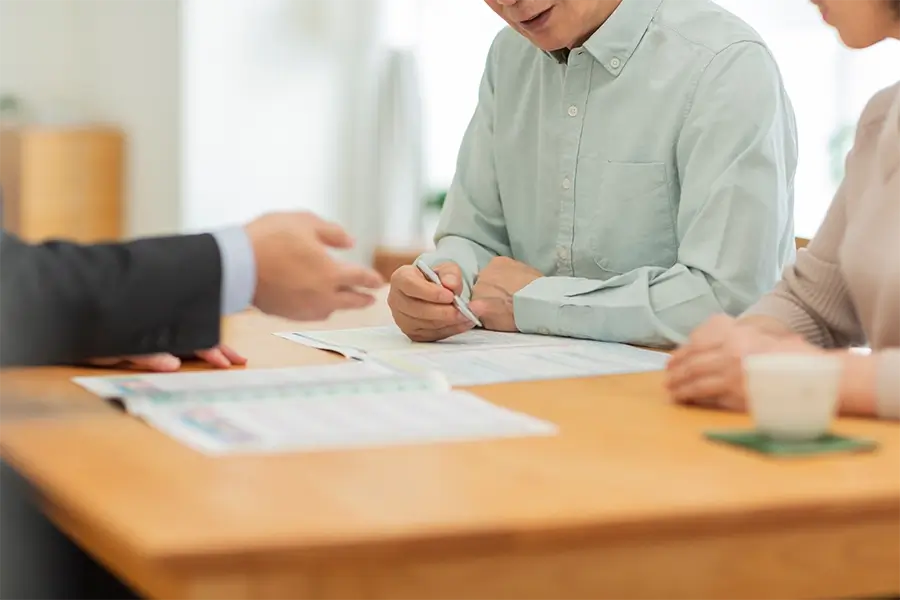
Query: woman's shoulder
(884, 103)
(876, 149)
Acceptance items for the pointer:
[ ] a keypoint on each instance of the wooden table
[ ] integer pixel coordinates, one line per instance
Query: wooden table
(628, 501)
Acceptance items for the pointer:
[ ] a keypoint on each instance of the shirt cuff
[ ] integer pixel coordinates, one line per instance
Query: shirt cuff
(536, 307)
(238, 269)
(887, 399)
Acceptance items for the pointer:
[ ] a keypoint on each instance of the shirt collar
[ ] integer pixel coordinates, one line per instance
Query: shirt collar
(616, 40)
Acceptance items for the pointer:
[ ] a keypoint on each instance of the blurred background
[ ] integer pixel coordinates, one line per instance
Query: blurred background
(140, 117)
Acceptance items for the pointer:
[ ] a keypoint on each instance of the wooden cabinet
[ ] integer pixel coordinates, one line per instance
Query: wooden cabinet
(62, 182)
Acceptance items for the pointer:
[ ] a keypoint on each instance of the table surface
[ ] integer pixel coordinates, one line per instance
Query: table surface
(628, 501)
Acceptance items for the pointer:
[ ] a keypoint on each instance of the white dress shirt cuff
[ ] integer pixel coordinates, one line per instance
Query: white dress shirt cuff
(238, 269)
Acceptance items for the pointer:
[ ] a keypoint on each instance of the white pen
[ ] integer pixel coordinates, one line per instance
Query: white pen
(459, 302)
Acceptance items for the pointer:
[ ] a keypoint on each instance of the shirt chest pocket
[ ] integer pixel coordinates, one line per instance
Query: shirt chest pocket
(628, 215)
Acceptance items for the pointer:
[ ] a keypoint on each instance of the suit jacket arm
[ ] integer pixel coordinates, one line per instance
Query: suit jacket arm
(65, 303)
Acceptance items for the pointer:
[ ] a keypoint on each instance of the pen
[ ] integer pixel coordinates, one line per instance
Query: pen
(459, 302)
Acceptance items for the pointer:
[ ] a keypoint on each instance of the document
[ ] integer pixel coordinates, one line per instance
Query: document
(368, 341)
(349, 405)
(341, 422)
(481, 357)
(504, 365)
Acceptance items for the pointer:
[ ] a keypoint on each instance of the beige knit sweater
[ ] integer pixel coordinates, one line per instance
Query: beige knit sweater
(844, 289)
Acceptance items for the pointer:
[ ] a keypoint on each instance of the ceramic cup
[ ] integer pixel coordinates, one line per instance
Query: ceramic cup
(792, 396)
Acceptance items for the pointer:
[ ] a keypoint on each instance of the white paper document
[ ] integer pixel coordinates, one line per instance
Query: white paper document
(373, 341)
(349, 405)
(480, 357)
(341, 422)
(505, 365)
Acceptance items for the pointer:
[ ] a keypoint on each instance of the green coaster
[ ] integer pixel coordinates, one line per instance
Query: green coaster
(829, 443)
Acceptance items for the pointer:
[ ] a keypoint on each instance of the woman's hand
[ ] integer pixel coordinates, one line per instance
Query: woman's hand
(708, 371)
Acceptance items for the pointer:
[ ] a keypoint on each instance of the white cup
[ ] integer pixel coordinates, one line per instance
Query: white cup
(793, 396)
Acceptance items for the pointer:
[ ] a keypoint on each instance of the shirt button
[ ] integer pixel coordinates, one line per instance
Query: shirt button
(543, 331)
(562, 254)
(573, 111)
(566, 183)
(615, 63)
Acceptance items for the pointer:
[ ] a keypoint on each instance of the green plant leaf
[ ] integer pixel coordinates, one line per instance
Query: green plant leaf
(436, 200)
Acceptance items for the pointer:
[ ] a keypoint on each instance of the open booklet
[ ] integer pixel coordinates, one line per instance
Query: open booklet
(481, 357)
(347, 405)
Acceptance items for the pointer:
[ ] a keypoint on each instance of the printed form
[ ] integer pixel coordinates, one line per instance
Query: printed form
(504, 365)
(480, 357)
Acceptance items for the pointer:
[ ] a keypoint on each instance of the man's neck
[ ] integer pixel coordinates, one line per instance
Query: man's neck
(605, 9)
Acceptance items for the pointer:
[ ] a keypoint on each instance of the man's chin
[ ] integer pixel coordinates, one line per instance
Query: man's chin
(546, 43)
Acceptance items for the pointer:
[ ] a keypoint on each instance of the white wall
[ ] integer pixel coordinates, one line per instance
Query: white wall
(259, 106)
(115, 61)
(36, 57)
(762, 13)
(232, 108)
(281, 112)
(451, 73)
(131, 59)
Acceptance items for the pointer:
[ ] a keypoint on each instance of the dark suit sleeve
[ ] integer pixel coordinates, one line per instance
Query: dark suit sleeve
(64, 303)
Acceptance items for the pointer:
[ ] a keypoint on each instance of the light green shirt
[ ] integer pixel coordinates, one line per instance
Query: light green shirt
(648, 175)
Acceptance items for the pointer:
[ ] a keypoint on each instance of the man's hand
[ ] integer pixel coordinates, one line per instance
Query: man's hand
(296, 278)
(492, 296)
(220, 357)
(708, 370)
(423, 310)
